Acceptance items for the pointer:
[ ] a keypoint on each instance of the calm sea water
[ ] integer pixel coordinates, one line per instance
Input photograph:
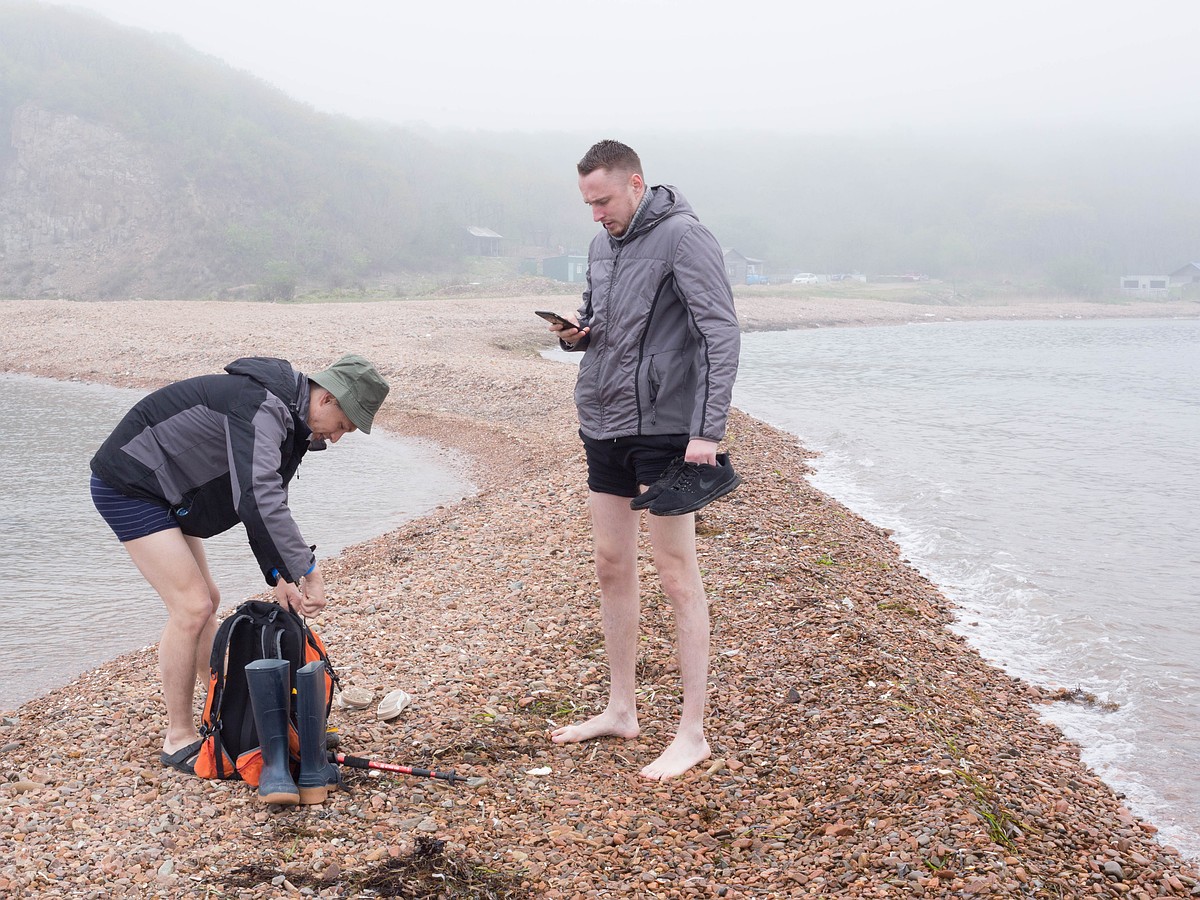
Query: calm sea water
(74, 598)
(1044, 474)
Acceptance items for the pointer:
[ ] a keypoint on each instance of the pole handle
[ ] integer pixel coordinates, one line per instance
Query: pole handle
(359, 762)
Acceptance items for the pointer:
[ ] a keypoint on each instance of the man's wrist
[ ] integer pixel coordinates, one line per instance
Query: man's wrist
(275, 572)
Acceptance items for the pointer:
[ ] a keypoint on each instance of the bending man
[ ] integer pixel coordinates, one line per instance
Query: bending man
(196, 457)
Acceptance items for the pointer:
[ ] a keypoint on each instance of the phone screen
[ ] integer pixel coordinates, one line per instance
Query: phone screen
(555, 318)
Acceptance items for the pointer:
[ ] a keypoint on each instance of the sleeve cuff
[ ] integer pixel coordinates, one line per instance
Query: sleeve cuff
(309, 571)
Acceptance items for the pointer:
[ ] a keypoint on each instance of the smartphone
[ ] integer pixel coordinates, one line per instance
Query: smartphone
(555, 318)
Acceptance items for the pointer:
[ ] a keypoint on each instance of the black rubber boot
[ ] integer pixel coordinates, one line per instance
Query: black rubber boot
(267, 680)
(317, 773)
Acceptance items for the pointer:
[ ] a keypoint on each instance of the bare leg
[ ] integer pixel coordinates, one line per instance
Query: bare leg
(674, 541)
(615, 533)
(204, 647)
(166, 561)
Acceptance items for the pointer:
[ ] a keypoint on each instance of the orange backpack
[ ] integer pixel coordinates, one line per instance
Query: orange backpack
(255, 630)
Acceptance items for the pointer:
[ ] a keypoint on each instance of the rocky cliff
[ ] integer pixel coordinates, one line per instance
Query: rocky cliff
(87, 213)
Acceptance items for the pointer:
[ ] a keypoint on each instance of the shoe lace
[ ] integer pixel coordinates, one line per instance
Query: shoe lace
(687, 476)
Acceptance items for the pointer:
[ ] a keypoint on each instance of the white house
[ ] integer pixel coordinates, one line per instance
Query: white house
(1145, 284)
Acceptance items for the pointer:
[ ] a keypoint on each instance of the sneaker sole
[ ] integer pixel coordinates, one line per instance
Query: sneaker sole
(702, 501)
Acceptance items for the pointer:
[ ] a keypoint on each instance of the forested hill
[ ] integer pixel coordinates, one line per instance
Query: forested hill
(132, 165)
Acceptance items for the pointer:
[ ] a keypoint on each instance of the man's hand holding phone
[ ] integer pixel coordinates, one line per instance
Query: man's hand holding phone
(566, 329)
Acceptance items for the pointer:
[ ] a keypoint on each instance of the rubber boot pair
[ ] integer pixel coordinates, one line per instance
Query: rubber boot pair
(267, 680)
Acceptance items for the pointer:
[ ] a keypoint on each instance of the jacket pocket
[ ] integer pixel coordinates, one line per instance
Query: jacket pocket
(670, 384)
(207, 510)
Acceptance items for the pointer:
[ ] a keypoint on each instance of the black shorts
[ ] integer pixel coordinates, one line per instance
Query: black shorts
(618, 466)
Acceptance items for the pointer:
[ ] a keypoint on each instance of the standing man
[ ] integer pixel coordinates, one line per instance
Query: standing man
(196, 457)
(661, 344)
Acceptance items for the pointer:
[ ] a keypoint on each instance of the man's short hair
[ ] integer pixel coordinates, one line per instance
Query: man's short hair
(611, 155)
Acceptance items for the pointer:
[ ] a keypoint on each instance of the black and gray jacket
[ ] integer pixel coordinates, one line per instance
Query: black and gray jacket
(218, 450)
(662, 353)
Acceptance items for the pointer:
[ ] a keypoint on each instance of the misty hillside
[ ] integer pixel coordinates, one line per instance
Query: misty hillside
(132, 165)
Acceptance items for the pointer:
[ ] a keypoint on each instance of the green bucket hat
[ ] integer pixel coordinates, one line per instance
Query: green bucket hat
(358, 388)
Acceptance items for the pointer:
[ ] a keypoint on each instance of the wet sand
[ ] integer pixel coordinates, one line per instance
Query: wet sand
(860, 748)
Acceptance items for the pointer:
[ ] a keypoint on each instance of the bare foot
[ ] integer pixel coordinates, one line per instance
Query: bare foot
(605, 724)
(681, 755)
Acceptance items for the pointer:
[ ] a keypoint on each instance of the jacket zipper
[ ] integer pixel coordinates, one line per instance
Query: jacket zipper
(612, 283)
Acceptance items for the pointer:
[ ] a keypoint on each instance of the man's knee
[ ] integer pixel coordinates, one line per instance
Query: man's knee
(612, 563)
(691, 600)
(192, 609)
(676, 569)
(681, 582)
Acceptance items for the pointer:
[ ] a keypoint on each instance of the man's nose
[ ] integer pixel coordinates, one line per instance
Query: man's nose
(597, 214)
(336, 436)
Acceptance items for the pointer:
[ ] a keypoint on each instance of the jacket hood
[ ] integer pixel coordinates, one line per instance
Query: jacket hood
(276, 375)
(665, 201)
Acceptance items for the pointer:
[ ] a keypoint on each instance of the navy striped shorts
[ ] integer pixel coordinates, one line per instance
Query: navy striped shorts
(129, 517)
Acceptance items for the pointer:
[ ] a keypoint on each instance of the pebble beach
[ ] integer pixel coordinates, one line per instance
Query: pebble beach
(860, 747)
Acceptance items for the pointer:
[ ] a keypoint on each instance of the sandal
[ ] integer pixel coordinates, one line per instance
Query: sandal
(183, 760)
(393, 704)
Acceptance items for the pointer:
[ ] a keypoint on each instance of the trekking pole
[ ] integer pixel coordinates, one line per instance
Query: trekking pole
(357, 762)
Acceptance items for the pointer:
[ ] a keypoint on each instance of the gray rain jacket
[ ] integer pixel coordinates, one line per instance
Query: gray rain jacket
(218, 450)
(662, 353)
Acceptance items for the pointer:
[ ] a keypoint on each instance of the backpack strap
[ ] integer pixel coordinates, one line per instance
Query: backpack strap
(214, 757)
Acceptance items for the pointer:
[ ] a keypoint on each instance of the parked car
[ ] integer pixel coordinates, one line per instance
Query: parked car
(806, 278)
(757, 279)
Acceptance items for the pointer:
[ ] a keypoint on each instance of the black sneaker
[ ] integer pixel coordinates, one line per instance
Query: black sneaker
(646, 497)
(696, 485)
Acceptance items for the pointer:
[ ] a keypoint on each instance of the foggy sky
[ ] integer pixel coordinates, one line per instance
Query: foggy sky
(613, 66)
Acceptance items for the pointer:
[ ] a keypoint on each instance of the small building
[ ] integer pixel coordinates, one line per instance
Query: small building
(570, 268)
(1189, 274)
(482, 241)
(1145, 284)
(741, 269)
